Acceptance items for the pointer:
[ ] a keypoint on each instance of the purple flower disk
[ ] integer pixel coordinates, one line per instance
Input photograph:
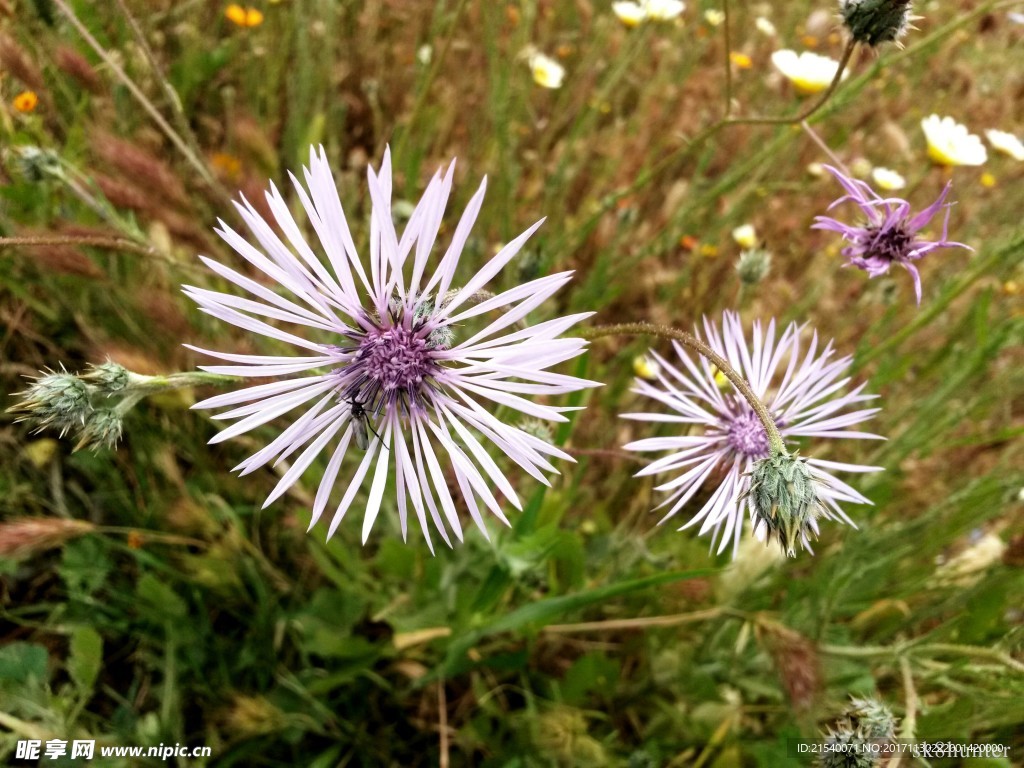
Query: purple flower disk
(391, 357)
(805, 395)
(890, 235)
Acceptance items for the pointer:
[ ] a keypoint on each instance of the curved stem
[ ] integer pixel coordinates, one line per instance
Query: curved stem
(688, 340)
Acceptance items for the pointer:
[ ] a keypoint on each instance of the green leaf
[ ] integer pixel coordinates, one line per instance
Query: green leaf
(158, 601)
(533, 616)
(86, 658)
(21, 662)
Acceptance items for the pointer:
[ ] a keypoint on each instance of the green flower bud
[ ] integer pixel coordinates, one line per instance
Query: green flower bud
(109, 376)
(59, 400)
(872, 719)
(102, 430)
(845, 750)
(785, 502)
(873, 22)
(753, 266)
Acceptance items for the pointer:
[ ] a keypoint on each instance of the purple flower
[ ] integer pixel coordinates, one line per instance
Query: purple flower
(803, 393)
(399, 361)
(890, 235)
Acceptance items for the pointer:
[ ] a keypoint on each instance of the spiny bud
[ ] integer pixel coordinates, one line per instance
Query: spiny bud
(538, 429)
(753, 266)
(109, 376)
(785, 501)
(102, 429)
(873, 22)
(871, 719)
(846, 749)
(441, 337)
(55, 400)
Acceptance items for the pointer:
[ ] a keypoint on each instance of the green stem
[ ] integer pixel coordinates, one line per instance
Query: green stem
(775, 441)
(150, 385)
(728, 60)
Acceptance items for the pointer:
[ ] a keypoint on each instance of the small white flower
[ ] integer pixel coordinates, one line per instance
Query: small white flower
(646, 367)
(809, 72)
(629, 13)
(664, 10)
(745, 236)
(714, 17)
(764, 26)
(950, 143)
(888, 179)
(547, 72)
(633, 13)
(424, 54)
(1006, 143)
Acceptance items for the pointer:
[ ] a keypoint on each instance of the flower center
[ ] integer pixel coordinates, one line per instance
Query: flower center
(889, 243)
(746, 436)
(389, 366)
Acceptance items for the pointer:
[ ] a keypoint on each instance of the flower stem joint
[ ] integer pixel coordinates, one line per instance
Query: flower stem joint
(785, 501)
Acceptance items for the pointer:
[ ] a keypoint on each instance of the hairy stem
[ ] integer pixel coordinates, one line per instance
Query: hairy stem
(688, 340)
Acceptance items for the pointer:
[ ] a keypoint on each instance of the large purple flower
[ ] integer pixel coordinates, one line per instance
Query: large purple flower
(723, 438)
(890, 235)
(402, 359)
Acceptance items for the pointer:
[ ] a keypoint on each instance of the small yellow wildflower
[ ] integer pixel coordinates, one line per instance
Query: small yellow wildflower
(26, 102)
(708, 251)
(243, 17)
(721, 380)
(547, 72)
(1006, 143)
(714, 17)
(645, 367)
(1011, 287)
(809, 72)
(888, 179)
(745, 236)
(228, 165)
(741, 60)
(988, 180)
(949, 143)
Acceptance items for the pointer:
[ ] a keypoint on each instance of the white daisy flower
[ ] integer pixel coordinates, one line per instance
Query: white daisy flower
(546, 72)
(809, 72)
(950, 143)
(887, 179)
(1006, 143)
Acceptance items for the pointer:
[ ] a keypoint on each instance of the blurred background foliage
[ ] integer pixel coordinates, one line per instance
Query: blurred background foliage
(145, 597)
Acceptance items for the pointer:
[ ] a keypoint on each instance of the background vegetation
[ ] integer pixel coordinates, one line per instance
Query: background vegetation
(153, 602)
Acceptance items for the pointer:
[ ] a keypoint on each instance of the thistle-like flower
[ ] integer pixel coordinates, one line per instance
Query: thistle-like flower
(401, 361)
(891, 234)
(804, 394)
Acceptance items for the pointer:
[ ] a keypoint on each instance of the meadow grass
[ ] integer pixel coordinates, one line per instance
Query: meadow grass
(155, 602)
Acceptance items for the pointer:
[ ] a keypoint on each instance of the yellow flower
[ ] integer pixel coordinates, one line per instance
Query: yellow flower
(809, 72)
(1006, 143)
(745, 236)
(949, 143)
(741, 60)
(547, 72)
(26, 102)
(714, 17)
(243, 17)
(645, 367)
(988, 180)
(888, 179)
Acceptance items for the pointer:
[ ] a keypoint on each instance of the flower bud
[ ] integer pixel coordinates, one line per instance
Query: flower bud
(109, 376)
(102, 430)
(753, 266)
(55, 400)
(871, 719)
(785, 502)
(873, 22)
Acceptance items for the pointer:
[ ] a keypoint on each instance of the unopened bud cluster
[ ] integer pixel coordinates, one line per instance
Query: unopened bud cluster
(874, 22)
(79, 403)
(785, 501)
